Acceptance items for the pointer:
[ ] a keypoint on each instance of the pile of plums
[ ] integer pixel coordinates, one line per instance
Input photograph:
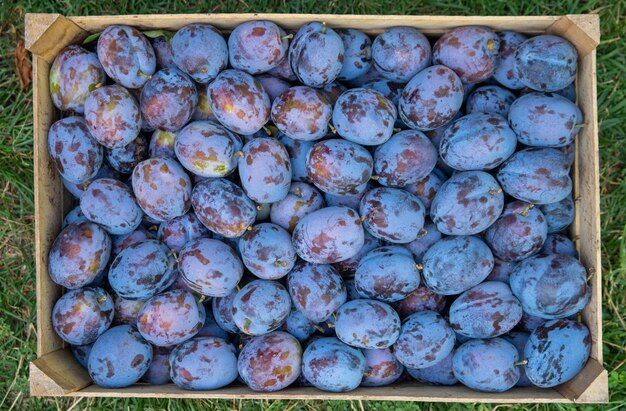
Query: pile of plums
(320, 208)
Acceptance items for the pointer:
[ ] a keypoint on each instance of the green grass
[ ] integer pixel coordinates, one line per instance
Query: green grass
(17, 268)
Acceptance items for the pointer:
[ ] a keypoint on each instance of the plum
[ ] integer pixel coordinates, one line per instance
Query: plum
(266, 251)
(387, 273)
(203, 110)
(75, 72)
(546, 63)
(124, 159)
(74, 216)
(490, 99)
(545, 120)
(257, 46)
(529, 322)
(79, 254)
(404, 159)
(367, 324)
(439, 374)
(121, 242)
(162, 144)
(425, 339)
(265, 170)
(302, 200)
(421, 299)
(125, 310)
(431, 99)
(81, 353)
(283, 70)
(501, 271)
(425, 188)
(536, 175)
(456, 264)
(381, 368)
(273, 86)
(210, 267)
(506, 72)
(200, 51)
(519, 339)
(357, 58)
(75, 153)
(142, 270)
(487, 365)
(126, 55)
(556, 352)
(330, 365)
(162, 188)
(239, 102)
(559, 244)
(203, 363)
(399, 53)
(211, 328)
(78, 189)
(298, 150)
(270, 362)
(428, 236)
(159, 371)
(80, 316)
(222, 311)
(177, 232)
(164, 56)
(364, 116)
(260, 307)
(168, 100)
(551, 286)
(390, 89)
(471, 51)
(559, 215)
(328, 235)
(302, 113)
(119, 358)
(316, 290)
(111, 204)
(348, 267)
(223, 207)
(298, 325)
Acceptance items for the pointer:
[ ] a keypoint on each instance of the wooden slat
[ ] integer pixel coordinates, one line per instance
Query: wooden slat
(582, 30)
(589, 386)
(47, 34)
(57, 374)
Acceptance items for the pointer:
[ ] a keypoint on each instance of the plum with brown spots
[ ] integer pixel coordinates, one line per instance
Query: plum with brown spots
(168, 100)
(506, 73)
(159, 371)
(74, 74)
(487, 365)
(74, 216)
(399, 53)
(367, 324)
(142, 270)
(551, 286)
(162, 188)
(328, 235)
(519, 339)
(298, 150)
(438, 374)
(501, 271)
(162, 144)
(485, 311)
(203, 110)
(265, 170)
(260, 307)
(273, 86)
(477, 141)
(126, 310)
(357, 56)
(392, 214)
(529, 322)
(266, 251)
(518, 233)
(203, 363)
(467, 203)
(126, 55)
(270, 362)
(546, 63)
(559, 215)
(257, 46)
(545, 120)
(239, 102)
(298, 325)
(425, 339)
(316, 290)
(302, 113)
(348, 267)
(111, 204)
(330, 365)
(200, 51)
(207, 149)
(471, 51)
(119, 358)
(223, 207)
(556, 352)
(210, 267)
(81, 353)
(339, 167)
(75, 153)
(211, 328)
(170, 318)
(490, 99)
(222, 308)
(80, 316)
(79, 254)
(404, 159)
(316, 54)
(364, 116)
(457, 263)
(431, 99)
(163, 52)
(421, 299)
(78, 189)
(302, 199)
(121, 242)
(536, 175)
(426, 188)
(428, 236)
(125, 159)
(178, 231)
(381, 368)
(559, 244)
(387, 274)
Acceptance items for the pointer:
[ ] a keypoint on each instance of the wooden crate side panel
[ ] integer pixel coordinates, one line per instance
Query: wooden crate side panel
(47, 34)
(57, 374)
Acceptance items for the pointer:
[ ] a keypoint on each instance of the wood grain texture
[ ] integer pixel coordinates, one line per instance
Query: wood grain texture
(57, 374)
(590, 386)
(582, 31)
(47, 34)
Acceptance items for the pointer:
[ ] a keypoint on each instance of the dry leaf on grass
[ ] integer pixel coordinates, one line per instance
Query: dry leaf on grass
(23, 65)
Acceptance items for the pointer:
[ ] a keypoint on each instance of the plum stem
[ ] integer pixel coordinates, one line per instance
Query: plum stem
(239, 154)
(144, 75)
(332, 128)
(523, 362)
(201, 299)
(422, 233)
(260, 207)
(582, 125)
(287, 37)
(102, 298)
(249, 228)
(318, 328)
(493, 192)
(153, 228)
(298, 192)
(267, 130)
(323, 27)
(279, 263)
(397, 129)
(526, 209)
(419, 266)
(362, 218)
(375, 177)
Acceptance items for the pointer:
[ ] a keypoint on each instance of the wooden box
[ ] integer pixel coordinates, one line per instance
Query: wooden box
(55, 373)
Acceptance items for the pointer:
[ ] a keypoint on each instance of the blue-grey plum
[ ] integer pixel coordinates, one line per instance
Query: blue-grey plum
(119, 358)
(111, 204)
(426, 187)
(348, 267)
(121, 242)
(260, 307)
(501, 271)
(257, 46)
(428, 236)
(302, 113)
(302, 199)
(559, 215)
(78, 189)
(421, 299)
(487, 365)
(283, 70)
(556, 352)
(177, 232)
(381, 367)
(159, 371)
(125, 159)
(162, 144)
(439, 374)
(425, 339)
(267, 251)
(265, 170)
(298, 150)
(357, 58)
(536, 175)
(222, 308)
(519, 339)
(390, 89)
(506, 72)
(467, 203)
(551, 286)
(490, 99)
(125, 310)
(456, 264)
(367, 324)
(559, 244)
(298, 325)
(273, 86)
(81, 353)
(74, 216)
(399, 53)
(270, 362)
(80, 316)
(200, 51)
(330, 365)
(163, 52)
